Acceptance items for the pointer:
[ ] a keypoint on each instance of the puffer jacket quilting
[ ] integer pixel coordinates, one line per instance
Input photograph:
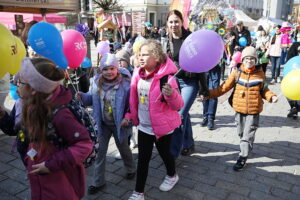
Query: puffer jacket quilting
(249, 91)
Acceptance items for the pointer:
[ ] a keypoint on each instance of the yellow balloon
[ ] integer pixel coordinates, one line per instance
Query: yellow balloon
(136, 46)
(8, 50)
(290, 85)
(21, 53)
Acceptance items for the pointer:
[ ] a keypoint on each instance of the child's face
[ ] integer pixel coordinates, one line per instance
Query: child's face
(146, 59)
(249, 62)
(123, 63)
(24, 90)
(110, 73)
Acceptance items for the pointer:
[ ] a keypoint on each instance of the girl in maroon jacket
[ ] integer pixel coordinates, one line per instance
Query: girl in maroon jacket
(58, 142)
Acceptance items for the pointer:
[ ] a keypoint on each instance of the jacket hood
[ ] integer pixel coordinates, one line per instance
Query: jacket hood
(168, 67)
(123, 71)
(61, 96)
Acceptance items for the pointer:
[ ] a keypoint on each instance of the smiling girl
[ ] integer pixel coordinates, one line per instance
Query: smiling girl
(109, 95)
(156, 119)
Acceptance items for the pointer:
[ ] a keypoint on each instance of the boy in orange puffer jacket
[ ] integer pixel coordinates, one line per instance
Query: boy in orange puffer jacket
(248, 80)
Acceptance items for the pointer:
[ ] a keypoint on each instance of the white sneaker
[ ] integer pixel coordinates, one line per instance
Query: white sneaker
(118, 156)
(278, 80)
(169, 183)
(137, 196)
(272, 81)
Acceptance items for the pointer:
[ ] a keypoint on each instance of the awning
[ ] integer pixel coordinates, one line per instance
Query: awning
(38, 6)
(8, 18)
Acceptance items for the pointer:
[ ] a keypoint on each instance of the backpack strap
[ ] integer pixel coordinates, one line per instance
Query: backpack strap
(162, 81)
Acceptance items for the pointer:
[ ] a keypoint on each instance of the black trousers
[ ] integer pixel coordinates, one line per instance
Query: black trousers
(145, 147)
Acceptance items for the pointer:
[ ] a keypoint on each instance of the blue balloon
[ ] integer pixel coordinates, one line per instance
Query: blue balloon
(46, 40)
(86, 63)
(13, 91)
(253, 34)
(243, 41)
(291, 65)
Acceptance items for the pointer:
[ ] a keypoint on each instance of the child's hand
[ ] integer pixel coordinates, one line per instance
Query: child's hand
(125, 122)
(78, 96)
(274, 99)
(167, 89)
(40, 169)
(203, 98)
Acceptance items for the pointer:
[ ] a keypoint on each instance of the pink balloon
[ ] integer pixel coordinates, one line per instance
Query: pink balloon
(201, 51)
(237, 57)
(74, 46)
(103, 47)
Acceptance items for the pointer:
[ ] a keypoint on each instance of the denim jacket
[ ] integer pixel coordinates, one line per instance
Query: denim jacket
(120, 104)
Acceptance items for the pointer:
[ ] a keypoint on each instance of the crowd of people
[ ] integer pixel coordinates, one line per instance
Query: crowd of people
(138, 90)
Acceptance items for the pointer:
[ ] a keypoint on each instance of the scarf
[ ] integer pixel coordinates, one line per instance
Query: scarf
(108, 85)
(146, 76)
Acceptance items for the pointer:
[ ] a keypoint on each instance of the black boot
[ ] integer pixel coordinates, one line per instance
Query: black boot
(293, 113)
(240, 163)
(204, 122)
(211, 124)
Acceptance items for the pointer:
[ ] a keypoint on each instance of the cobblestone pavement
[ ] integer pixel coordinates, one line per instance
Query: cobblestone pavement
(273, 170)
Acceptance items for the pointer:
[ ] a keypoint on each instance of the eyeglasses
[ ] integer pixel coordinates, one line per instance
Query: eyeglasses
(250, 59)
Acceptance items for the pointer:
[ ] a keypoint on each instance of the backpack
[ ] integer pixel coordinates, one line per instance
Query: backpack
(163, 80)
(86, 120)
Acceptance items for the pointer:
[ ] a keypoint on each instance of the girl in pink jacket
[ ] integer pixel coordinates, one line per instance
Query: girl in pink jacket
(155, 112)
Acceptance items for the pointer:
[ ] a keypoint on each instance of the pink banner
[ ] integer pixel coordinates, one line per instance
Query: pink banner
(184, 7)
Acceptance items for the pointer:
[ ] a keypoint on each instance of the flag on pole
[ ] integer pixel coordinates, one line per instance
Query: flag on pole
(184, 7)
(123, 25)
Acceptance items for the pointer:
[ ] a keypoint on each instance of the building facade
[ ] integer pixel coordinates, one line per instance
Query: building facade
(296, 12)
(155, 10)
(254, 8)
(279, 9)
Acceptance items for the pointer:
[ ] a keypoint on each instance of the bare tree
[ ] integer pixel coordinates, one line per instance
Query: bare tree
(108, 5)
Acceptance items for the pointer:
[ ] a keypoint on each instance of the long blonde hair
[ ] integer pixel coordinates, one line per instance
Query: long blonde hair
(155, 49)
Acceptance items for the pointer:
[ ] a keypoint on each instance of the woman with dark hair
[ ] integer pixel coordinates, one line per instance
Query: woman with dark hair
(190, 83)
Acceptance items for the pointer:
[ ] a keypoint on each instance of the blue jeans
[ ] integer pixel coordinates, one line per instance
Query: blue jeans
(275, 61)
(210, 105)
(183, 136)
(283, 56)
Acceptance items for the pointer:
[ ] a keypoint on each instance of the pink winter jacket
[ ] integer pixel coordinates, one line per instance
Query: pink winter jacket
(163, 115)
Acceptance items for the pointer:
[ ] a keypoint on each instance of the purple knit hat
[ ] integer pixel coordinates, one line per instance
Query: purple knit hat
(37, 81)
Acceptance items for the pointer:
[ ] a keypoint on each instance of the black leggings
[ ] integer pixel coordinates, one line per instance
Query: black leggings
(145, 147)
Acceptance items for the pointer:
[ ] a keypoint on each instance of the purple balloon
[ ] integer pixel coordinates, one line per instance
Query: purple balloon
(201, 51)
(103, 47)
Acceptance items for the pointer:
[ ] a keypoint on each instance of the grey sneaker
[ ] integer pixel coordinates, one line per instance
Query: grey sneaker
(137, 196)
(278, 80)
(168, 183)
(272, 81)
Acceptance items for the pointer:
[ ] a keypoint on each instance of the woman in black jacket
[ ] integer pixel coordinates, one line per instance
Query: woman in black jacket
(190, 83)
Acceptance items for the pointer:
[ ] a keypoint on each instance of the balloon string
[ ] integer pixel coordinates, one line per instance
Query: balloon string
(71, 82)
(77, 85)
(174, 76)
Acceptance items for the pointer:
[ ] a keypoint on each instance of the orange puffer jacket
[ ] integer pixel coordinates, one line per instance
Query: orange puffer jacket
(249, 91)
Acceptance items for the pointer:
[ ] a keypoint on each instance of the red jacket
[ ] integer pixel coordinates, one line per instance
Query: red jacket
(66, 179)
